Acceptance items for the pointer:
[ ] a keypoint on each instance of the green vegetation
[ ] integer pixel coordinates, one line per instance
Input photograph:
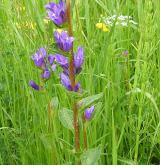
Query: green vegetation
(126, 124)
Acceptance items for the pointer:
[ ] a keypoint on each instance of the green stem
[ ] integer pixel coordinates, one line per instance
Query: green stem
(84, 132)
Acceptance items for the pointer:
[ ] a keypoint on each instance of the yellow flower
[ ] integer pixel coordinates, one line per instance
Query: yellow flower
(59, 30)
(46, 21)
(99, 25)
(102, 26)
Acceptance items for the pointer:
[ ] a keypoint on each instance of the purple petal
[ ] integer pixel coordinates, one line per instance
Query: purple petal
(64, 35)
(43, 52)
(63, 61)
(53, 67)
(65, 81)
(39, 57)
(57, 12)
(66, 70)
(63, 40)
(88, 113)
(34, 85)
(62, 4)
(57, 36)
(79, 58)
(71, 39)
(46, 74)
(50, 6)
(77, 87)
(51, 59)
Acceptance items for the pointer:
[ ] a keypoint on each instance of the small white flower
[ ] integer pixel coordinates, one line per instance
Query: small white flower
(109, 22)
(113, 17)
(121, 20)
(133, 22)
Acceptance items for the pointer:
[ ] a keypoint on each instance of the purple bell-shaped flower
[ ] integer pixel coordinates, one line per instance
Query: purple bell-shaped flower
(63, 40)
(67, 84)
(39, 58)
(34, 85)
(89, 113)
(57, 12)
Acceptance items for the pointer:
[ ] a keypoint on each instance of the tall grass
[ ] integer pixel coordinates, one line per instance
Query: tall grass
(127, 127)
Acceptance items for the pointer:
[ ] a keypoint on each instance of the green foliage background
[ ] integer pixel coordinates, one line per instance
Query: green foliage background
(126, 128)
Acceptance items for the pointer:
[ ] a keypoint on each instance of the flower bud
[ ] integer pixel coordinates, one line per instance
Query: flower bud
(89, 113)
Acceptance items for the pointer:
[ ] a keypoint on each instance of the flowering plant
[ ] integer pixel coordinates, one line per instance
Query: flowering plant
(71, 65)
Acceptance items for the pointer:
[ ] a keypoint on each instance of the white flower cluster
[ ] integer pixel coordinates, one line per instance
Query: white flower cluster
(119, 20)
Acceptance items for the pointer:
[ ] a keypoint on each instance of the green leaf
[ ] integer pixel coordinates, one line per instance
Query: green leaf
(126, 161)
(73, 3)
(54, 103)
(91, 156)
(74, 95)
(47, 141)
(98, 107)
(86, 102)
(66, 118)
(97, 112)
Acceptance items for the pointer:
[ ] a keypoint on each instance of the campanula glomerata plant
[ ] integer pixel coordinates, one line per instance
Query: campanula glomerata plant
(69, 61)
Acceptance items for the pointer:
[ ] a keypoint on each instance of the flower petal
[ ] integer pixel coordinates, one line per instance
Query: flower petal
(39, 58)
(51, 59)
(57, 12)
(46, 74)
(34, 85)
(77, 87)
(63, 61)
(88, 113)
(79, 57)
(53, 67)
(65, 81)
(63, 40)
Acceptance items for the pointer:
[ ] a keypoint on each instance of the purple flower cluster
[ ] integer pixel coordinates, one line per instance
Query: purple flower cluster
(48, 63)
(39, 59)
(57, 12)
(64, 64)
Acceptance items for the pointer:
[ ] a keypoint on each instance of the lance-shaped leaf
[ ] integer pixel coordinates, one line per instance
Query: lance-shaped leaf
(54, 103)
(91, 156)
(86, 102)
(66, 118)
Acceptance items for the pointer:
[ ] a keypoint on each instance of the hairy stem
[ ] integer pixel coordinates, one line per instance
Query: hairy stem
(72, 77)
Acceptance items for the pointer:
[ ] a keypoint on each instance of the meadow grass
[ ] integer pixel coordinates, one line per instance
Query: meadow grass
(126, 127)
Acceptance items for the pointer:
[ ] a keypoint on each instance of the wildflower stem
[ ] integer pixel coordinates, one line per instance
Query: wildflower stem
(126, 74)
(72, 77)
(49, 117)
(84, 132)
